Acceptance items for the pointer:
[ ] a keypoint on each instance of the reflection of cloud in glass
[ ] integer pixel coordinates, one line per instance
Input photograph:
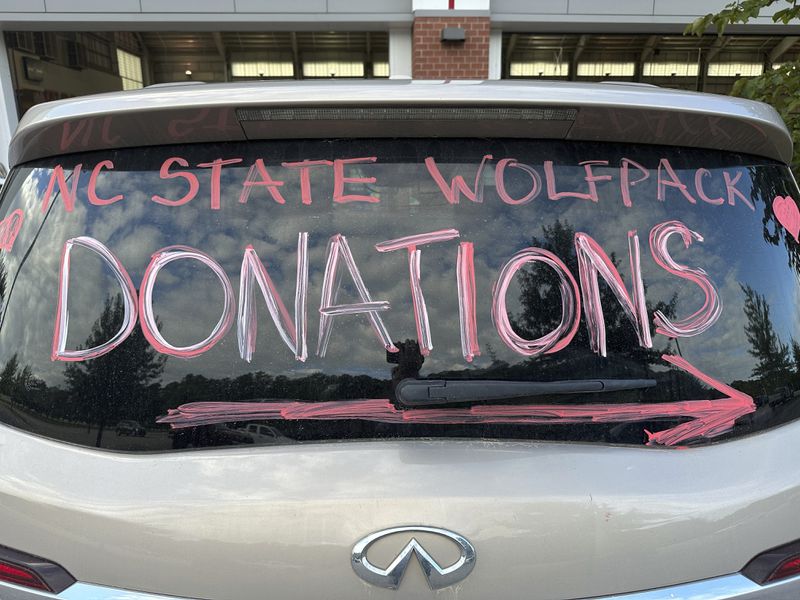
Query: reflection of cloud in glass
(187, 297)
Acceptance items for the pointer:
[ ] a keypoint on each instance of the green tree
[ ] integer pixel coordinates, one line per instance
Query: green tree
(779, 87)
(774, 361)
(540, 301)
(796, 356)
(9, 375)
(115, 385)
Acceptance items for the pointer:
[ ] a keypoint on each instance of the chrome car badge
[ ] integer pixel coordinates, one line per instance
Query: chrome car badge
(438, 577)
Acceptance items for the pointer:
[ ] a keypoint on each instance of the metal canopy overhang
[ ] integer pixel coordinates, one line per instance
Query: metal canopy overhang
(178, 114)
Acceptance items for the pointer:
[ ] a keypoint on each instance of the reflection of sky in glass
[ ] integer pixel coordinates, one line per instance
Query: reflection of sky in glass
(188, 299)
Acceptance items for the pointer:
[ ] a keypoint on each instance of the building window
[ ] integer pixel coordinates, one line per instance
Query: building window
(735, 69)
(37, 42)
(606, 69)
(380, 69)
(262, 69)
(333, 68)
(130, 70)
(98, 53)
(539, 69)
(670, 69)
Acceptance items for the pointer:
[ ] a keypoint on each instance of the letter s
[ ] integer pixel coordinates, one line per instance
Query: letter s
(707, 315)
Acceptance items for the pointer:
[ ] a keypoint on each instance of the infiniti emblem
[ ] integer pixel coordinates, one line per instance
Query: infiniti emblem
(438, 577)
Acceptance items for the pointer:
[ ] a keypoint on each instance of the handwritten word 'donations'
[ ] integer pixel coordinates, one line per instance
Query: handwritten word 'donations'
(255, 281)
(541, 181)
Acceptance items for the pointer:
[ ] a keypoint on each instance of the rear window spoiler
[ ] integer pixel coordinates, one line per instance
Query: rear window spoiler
(308, 110)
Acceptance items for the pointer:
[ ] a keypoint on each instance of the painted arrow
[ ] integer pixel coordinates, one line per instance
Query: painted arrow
(709, 418)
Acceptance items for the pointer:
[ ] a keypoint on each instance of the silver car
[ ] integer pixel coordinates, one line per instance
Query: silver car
(403, 340)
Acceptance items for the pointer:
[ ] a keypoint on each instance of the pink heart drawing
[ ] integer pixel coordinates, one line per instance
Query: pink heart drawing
(785, 209)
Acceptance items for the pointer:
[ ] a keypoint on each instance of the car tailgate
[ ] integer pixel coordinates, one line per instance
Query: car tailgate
(547, 520)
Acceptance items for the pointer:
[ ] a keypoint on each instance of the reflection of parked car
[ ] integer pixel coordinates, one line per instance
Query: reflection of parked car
(264, 434)
(209, 435)
(130, 428)
(780, 395)
(223, 435)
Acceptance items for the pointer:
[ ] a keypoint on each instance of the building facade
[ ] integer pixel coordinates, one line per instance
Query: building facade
(65, 48)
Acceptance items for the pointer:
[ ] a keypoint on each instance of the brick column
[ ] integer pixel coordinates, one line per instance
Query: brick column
(435, 59)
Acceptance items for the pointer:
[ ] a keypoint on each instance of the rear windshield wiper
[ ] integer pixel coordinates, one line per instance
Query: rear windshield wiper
(428, 392)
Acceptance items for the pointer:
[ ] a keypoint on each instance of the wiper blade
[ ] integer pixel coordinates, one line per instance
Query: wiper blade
(429, 392)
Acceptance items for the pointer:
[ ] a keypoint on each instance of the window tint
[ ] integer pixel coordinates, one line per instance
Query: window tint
(199, 289)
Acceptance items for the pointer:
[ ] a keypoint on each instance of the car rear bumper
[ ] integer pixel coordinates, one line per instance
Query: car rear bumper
(734, 586)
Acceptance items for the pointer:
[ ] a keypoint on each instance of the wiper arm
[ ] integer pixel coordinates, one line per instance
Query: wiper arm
(428, 392)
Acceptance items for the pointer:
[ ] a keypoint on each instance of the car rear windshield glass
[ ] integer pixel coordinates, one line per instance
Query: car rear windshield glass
(169, 297)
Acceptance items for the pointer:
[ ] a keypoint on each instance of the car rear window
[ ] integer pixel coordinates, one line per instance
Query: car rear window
(360, 289)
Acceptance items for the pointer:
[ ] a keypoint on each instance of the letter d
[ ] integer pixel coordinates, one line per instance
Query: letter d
(130, 302)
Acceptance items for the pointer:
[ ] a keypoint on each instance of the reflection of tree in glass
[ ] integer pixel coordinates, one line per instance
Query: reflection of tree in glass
(540, 300)
(3, 283)
(261, 386)
(115, 385)
(8, 375)
(774, 362)
(796, 356)
(18, 385)
(769, 182)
